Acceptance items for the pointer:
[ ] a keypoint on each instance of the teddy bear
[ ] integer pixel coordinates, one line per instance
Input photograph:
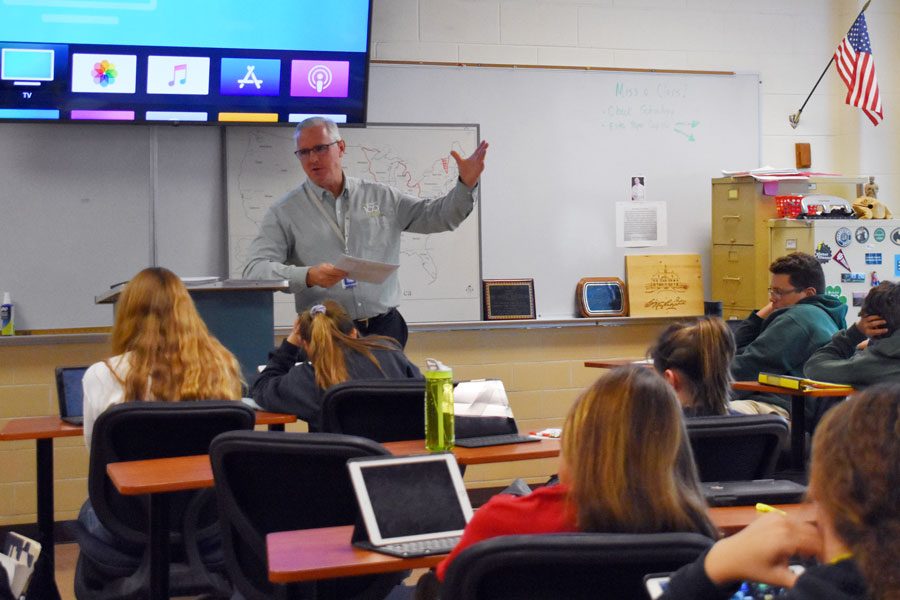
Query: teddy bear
(867, 207)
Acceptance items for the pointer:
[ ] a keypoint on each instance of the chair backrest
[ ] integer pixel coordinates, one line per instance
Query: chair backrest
(736, 448)
(377, 409)
(567, 565)
(274, 481)
(143, 430)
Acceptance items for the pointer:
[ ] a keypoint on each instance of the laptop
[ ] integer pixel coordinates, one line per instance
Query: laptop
(70, 394)
(410, 505)
(748, 493)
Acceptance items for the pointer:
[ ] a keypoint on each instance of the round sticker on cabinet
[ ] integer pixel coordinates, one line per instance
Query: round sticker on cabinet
(895, 236)
(878, 235)
(862, 235)
(844, 236)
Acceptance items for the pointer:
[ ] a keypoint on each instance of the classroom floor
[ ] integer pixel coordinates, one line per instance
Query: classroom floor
(67, 556)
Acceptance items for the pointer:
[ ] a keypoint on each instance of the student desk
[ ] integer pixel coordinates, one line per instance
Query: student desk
(157, 477)
(311, 554)
(798, 413)
(43, 430)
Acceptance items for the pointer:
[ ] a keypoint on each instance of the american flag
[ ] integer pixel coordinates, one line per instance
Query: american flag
(856, 66)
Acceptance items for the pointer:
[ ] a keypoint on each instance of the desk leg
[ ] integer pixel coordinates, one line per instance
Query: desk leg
(159, 547)
(798, 433)
(276, 427)
(43, 583)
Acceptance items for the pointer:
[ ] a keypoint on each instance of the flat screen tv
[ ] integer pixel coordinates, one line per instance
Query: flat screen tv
(198, 61)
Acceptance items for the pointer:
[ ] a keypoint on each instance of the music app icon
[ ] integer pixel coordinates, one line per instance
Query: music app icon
(320, 78)
(188, 75)
(179, 74)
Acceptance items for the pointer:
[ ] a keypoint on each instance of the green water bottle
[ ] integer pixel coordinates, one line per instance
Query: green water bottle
(438, 406)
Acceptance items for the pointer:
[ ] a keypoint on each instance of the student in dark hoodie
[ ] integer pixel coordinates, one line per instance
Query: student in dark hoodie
(336, 353)
(855, 484)
(878, 327)
(782, 335)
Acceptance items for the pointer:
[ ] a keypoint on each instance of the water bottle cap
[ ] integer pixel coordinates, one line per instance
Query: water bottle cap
(6, 298)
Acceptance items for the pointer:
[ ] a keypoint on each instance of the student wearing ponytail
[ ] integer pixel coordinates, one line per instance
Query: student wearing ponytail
(336, 354)
(695, 358)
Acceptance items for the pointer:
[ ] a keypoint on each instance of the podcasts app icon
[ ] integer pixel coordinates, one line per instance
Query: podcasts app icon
(320, 78)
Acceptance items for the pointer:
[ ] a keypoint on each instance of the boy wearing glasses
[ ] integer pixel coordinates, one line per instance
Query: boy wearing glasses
(782, 335)
(878, 331)
(332, 214)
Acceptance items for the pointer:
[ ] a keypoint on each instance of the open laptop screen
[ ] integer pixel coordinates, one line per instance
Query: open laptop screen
(411, 498)
(70, 391)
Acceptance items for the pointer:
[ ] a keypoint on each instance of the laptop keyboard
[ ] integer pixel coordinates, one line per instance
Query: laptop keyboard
(422, 547)
(494, 440)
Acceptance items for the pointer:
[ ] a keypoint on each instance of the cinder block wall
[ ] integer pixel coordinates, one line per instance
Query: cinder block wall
(542, 369)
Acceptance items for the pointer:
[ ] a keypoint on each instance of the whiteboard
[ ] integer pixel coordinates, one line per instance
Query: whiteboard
(439, 273)
(564, 145)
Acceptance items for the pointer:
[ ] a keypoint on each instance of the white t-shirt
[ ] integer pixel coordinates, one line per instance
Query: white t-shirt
(102, 390)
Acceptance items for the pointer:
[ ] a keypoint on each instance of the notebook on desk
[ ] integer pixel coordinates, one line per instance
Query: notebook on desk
(410, 505)
(70, 393)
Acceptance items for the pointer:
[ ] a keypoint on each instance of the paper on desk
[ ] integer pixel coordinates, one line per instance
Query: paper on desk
(365, 270)
(481, 398)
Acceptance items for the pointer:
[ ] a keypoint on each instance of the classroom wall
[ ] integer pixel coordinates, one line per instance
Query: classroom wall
(787, 43)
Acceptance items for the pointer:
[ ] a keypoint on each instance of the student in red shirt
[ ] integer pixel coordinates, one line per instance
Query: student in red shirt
(626, 467)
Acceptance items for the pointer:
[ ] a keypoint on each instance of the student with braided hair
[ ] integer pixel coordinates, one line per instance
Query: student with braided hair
(695, 359)
(337, 353)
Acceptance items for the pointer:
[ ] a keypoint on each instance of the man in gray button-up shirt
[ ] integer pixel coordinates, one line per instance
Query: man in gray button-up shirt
(332, 214)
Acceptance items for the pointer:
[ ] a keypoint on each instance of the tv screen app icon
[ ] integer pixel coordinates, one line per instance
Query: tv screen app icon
(250, 77)
(178, 75)
(320, 78)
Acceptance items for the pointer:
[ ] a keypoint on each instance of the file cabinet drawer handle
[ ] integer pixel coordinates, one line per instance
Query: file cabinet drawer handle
(738, 217)
(738, 279)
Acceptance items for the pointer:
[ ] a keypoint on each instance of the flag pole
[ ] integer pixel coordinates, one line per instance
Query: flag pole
(795, 118)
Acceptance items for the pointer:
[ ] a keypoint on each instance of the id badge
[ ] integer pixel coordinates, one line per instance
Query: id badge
(348, 283)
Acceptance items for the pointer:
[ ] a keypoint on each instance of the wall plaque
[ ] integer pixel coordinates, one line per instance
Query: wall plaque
(602, 297)
(508, 299)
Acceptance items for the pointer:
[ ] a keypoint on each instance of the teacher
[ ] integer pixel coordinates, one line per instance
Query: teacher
(331, 214)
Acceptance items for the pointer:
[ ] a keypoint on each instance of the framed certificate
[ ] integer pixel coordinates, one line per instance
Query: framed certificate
(508, 299)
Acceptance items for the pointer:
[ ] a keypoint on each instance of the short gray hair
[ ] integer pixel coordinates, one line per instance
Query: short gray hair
(330, 126)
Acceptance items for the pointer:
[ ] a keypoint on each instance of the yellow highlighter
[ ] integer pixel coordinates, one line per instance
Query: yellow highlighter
(765, 508)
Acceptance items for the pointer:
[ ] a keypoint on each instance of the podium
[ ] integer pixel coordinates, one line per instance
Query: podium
(237, 311)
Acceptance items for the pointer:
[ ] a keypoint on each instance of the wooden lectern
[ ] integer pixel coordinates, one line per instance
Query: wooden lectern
(237, 311)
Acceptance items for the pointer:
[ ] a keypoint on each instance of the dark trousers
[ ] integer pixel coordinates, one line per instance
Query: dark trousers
(391, 324)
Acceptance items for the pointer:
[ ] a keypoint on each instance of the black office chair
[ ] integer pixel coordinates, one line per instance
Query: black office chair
(593, 566)
(737, 448)
(144, 430)
(273, 481)
(382, 410)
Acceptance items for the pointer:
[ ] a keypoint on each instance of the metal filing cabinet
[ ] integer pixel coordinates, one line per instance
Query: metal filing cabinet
(740, 236)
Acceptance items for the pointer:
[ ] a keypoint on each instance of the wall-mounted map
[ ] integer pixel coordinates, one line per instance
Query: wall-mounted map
(440, 274)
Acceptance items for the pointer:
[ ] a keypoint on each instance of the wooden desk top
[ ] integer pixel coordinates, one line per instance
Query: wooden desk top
(612, 363)
(35, 428)
(156, 475)
(755, 386)
(545, 448)
(310, 554)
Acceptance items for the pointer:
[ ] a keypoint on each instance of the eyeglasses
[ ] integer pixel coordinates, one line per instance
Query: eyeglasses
(777, 293)
(318, 150)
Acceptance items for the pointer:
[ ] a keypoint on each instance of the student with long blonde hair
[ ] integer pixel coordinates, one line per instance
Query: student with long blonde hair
(626, 467)
(337, 353)
(855, 484)
(695, 358)
(163, 351)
